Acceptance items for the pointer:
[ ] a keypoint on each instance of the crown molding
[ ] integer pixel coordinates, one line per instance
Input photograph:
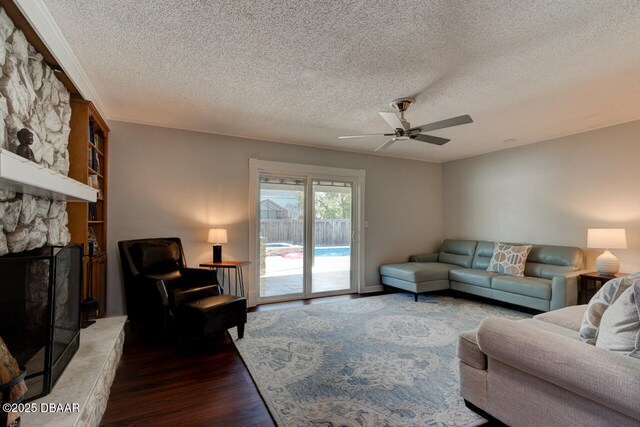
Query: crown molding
(38, 15)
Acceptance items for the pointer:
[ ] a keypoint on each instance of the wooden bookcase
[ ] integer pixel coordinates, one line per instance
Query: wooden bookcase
(88, 154)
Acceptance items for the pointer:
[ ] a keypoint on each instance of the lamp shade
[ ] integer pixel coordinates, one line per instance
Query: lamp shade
(217, 235)
(607, 238)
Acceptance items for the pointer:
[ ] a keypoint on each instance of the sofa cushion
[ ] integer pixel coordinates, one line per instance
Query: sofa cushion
(620, 326)
(549, 261)
(568, 317)
(482, 256)
(457, 252)
(527, 286)
(566, 256)
(472, 276)
(550, 327)
(469, 352)
(509, 259)
(606, 296)
(417, 272)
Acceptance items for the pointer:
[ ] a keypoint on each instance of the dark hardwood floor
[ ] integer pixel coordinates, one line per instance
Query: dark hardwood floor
(167, 384)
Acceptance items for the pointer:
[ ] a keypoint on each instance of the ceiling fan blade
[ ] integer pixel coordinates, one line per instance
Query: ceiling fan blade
(431, 139)
(386, 145)
(454, 121)
(365, 136)
(392, 119)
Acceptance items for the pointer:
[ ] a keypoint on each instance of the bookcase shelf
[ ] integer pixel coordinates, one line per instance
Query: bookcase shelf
(88, 154)
(96, 148)
(91, 171)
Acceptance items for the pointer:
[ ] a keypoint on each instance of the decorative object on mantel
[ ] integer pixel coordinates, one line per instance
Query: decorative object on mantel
(217, 236)
(607, 238)
(26, 139)
(12, 386)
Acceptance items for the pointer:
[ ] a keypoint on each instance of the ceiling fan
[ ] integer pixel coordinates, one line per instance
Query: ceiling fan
(403, 130)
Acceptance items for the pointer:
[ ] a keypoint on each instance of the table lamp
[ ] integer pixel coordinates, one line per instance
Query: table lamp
(607, 238)
(217, 236)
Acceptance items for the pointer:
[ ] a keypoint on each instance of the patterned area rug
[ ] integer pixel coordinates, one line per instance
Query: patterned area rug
(376, 361)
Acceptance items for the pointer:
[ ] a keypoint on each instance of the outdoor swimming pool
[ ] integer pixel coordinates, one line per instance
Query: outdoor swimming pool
(282, 249)
(332, 251)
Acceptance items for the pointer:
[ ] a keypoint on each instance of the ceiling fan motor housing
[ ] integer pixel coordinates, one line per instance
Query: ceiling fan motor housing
(401, 105)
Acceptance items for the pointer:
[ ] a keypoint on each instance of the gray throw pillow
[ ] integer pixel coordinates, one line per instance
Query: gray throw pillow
(606, 296)
(509, 259)
(620, 326)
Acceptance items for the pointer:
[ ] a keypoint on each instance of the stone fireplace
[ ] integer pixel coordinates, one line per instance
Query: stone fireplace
(31, 97)
(40, 274)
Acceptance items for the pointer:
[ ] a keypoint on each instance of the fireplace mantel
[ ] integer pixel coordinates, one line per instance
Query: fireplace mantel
(23, 176)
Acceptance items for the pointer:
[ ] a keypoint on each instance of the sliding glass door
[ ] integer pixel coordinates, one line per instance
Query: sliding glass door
(332, 227)
(282, 236)
(306, 231)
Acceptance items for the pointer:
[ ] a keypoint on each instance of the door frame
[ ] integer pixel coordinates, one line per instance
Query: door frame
(309, 172)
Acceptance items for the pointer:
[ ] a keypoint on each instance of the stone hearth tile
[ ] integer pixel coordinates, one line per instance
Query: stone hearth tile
(87, 379)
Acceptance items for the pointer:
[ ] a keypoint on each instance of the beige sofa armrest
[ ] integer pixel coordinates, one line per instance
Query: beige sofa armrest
(608, 378)
(424, 258)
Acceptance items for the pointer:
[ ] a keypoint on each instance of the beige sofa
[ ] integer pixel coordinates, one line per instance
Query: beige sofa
(537, 372)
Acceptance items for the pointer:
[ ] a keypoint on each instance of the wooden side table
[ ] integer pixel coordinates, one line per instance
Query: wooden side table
(595, 277)
(226, 266)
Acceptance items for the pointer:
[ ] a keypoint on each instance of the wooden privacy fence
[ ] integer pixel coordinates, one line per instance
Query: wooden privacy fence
(328, 232)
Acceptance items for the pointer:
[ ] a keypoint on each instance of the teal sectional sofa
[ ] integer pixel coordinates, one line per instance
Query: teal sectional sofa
(549, 282)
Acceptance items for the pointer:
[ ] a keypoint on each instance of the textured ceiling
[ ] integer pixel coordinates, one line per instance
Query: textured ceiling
(305, 72)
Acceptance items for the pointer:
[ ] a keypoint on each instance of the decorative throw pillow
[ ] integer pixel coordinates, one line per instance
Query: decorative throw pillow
(606, 296)
(509, 259)
(620, 326)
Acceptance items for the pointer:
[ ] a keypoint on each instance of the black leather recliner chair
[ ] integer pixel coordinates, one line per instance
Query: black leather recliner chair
(162, 292)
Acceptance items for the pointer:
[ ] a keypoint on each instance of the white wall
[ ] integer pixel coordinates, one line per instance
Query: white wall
(166, 182)
(550, 192)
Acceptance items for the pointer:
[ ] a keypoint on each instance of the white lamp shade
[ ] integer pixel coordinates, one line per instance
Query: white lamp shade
(217, 235)
(607, 238)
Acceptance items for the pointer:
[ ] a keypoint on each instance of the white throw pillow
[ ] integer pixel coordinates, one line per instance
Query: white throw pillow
(599, 303)
(620, 326)
(509, 259)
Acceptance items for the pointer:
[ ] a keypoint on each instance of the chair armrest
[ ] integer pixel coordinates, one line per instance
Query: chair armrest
(200, 276)
(157, 287)
(600, 375)
(424, 258)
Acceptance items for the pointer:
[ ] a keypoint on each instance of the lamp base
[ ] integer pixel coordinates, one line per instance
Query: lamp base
(607, 264)
(217, 253)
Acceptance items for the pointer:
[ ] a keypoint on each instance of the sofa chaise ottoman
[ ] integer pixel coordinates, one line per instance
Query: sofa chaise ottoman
(550, 278)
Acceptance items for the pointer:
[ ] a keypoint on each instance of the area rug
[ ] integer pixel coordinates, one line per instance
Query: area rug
(376, 361)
